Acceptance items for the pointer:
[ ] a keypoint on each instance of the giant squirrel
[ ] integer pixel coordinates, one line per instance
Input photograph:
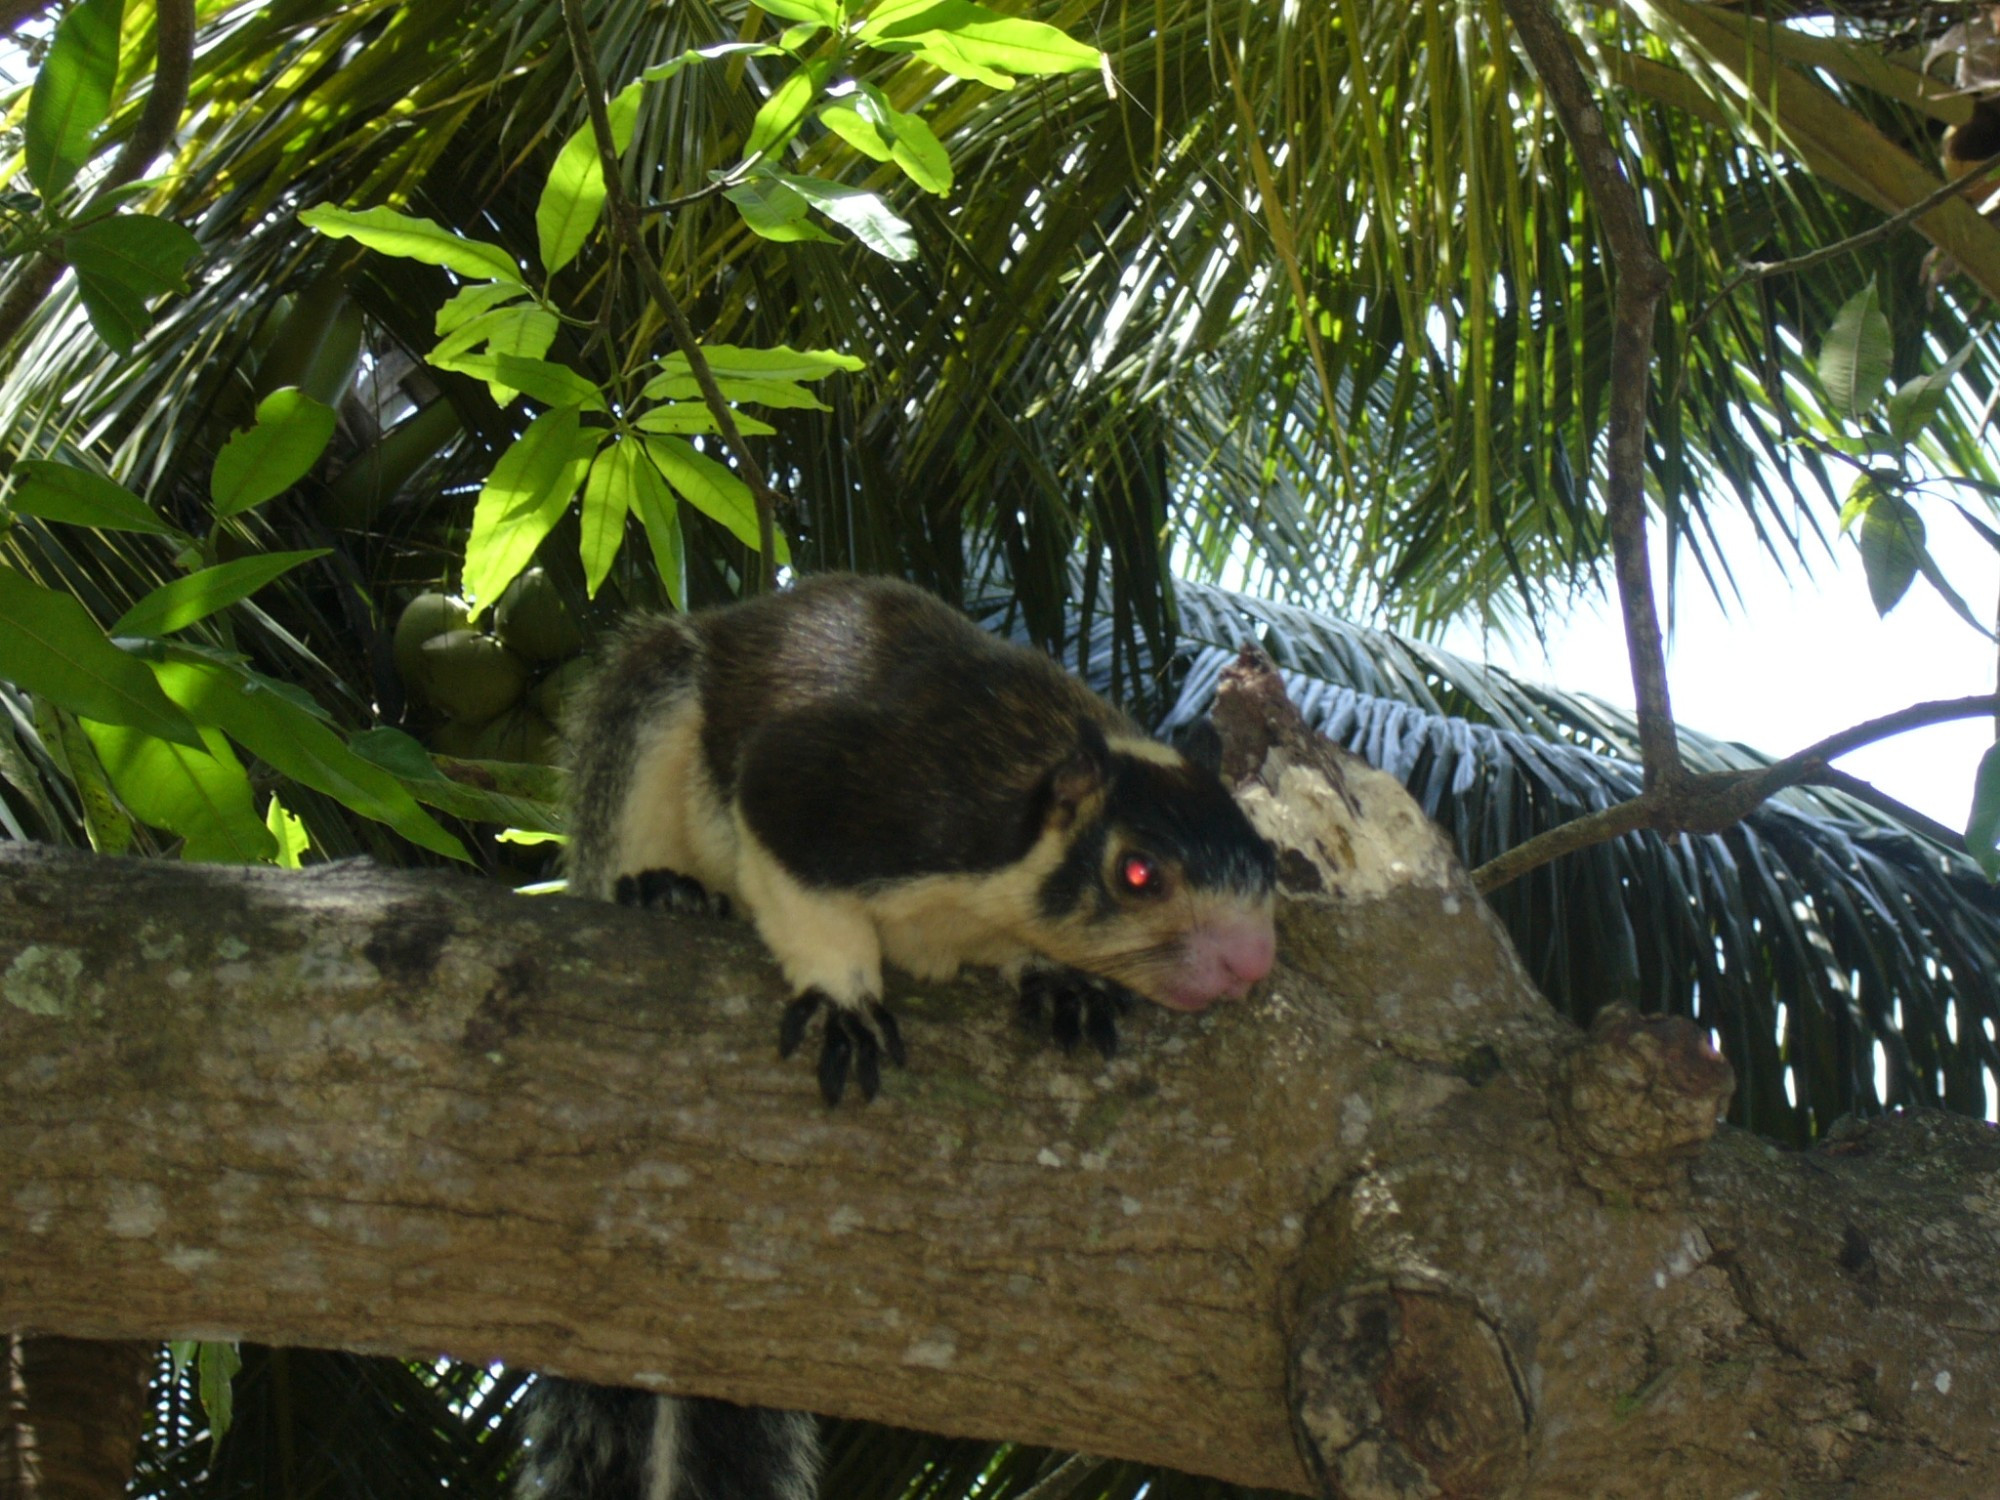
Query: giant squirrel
(870, 776)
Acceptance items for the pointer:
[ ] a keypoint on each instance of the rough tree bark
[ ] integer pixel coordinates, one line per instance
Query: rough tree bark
(1391, 1228)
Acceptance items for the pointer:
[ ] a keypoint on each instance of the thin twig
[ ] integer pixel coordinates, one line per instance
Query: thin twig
(625, 225)
(154, 132)
(1758, 270)
(1719, 799)
(1641, 280)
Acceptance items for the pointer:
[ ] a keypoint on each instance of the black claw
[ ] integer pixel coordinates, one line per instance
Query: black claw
(1078, 1006)
(798, 1015)
(834, 1052)
(892, 1034)
(867, 1056)
(669, 890)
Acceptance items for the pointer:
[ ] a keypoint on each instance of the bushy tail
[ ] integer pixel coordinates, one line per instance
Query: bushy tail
(594, 1442)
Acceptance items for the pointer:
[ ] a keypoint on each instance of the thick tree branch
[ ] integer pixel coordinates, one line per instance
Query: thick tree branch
(1716, 800)
(1393, 1204)
(625, 224)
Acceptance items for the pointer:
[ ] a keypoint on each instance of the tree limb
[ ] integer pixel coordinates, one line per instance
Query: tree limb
(1393, 1205)
(1716, 800)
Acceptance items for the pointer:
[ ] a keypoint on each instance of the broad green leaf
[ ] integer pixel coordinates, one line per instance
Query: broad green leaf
(105, 823)
(549, 383)
(269, 457)
(523, 498)
(202, 796)
(780, 115)
(1982, 829)
(773, 211)
(863, 213)
(825, 12)
(912, 144)
(173, 606)
(660, 72)
(61, 492)
(470, 302)
(525, 332)
(711, 488)
(295, 744)
(122, 262)
(1916, 403)
(50, 646)
(1856, 355)
(975, 42)
(780, 393)
(400, 754)
(683, 417)
(512, 794)
(607, 498)
(845, 121)
(1892, 548)
(573, 197)
(216, 1364)
(288, 833)
(654, 504)
(781, 362)
(72, 94)
(412, 238)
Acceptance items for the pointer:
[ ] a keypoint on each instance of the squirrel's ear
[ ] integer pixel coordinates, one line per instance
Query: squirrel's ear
(1075, 780)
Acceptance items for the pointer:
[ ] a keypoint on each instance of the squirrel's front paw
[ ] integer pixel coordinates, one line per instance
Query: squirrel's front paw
(1072, 1005)
(859, 1038)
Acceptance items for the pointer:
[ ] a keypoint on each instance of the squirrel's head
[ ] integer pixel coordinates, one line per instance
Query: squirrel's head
(1163, 885)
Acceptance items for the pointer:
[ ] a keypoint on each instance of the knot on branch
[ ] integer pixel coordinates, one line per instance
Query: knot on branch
(1639, 1097)
(1401, 1391)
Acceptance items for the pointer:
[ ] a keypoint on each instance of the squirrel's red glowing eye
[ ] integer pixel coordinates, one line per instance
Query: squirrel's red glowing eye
(1139, 874)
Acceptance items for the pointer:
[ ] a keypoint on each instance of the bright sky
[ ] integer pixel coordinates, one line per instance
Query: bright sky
(1800, 660)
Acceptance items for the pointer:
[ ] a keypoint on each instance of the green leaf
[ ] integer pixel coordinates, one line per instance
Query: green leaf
(72, 94)
(1856, 355)
(607, 498)
(470, 302)
(654, 504)
(660, 72)
(173, 606)
(295, 744)
(825, 12)
(268, 458)
(970, 41)
(400, 754)
(525, 332)
(780, 393)
(216, 1364)
(61, 492)
(549, 383)
(773, 211)
(913, 145)
(105, 823)
(711, 488)
(1916, 403)
(122, 262)
(288, 833)
(202, 796)
(412, 238)
(863, 213)
(573, 198)
(523, 498)
(778, 120)
(50, 646)
(1892, 550)
(682, 417)
(1982, 829)
(781, 362)
(845, 121)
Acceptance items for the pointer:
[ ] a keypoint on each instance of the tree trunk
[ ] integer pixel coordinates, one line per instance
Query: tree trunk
(72, 1415)
(1393, 1206)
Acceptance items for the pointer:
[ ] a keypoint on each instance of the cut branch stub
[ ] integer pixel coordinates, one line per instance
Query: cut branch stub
(1399, 1392)
(1639, 1098)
